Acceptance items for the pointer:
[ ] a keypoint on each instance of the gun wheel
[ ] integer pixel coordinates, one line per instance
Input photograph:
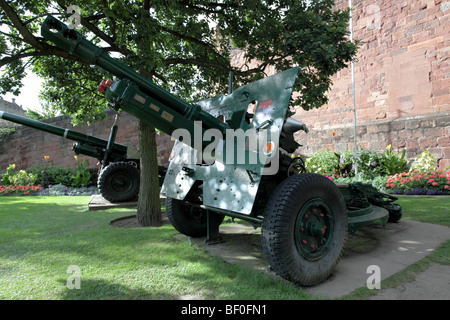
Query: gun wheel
(119, 182)
(188, 219)
(304, 229)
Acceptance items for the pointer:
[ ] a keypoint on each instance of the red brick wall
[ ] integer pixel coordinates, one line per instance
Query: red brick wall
(27, 146)
(402, 93)
(402, 77)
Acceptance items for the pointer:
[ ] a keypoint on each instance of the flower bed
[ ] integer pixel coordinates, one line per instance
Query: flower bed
(62, 190)
(10, 190)
(435, 182)
(56, 190)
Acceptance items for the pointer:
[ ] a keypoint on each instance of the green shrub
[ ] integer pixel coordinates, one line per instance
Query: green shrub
(378, 182)
(52, 175)
(423, 163)
(6, 178)
(322, 162)
(82, 177)
(21, 178)
(370, 163)
(392, 162)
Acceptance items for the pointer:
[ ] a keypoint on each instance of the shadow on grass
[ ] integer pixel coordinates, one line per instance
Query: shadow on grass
(41, 236)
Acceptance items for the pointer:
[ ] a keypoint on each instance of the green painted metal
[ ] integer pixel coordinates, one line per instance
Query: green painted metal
(314, 229)
(230, 185)
(232, 180)
(87, 145)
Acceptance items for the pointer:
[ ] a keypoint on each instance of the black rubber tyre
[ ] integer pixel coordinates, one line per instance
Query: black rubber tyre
(304, 229)
(395, 212)
(188, 220)
(119, 182)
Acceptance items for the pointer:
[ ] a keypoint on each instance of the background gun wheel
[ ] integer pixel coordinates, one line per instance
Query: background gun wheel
(304, 229)
(119, 182)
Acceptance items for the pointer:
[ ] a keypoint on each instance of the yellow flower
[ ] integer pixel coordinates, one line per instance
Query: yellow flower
(389, 147)
(76, 158)
(46, 157)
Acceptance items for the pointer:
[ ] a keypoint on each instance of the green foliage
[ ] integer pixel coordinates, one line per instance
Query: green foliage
(425, 162)
(371, 163)
(184, 46)
(82, 177)
(322, 162)
(378, 182)
(392, 162)
(21, 178)
(6, 178)
(51, 175)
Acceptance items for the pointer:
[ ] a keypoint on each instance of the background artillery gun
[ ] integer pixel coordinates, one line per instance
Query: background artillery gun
(304, 217)
(119, 174)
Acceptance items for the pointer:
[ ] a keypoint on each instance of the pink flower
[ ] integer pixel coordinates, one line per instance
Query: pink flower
(447, 187)
(430, 181)
(392, 185)
(434, 184)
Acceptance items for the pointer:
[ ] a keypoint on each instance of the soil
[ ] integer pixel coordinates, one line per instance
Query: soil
(132, 222)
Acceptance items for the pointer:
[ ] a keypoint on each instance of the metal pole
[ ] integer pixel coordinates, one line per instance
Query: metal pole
(354, 95)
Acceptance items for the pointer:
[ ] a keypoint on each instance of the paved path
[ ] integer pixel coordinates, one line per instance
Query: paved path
(391, 249)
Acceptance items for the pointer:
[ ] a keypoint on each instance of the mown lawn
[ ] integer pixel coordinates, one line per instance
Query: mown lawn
(40, 237)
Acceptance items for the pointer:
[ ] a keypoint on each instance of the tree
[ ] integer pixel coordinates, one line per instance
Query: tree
(182, 46)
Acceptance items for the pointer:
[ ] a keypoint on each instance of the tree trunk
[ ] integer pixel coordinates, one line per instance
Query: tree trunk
(149, 206)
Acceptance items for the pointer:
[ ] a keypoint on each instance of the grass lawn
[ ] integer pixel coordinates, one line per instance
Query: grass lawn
(40, 237)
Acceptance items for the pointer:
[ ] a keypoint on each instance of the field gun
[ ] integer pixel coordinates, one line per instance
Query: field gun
(118, 179)
(231, 158)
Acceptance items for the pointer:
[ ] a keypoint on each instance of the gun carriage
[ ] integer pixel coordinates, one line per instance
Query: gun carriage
(304, 217)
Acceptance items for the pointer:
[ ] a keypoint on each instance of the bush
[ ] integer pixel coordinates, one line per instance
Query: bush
(425, 162)
(323, 162)
(82, 178)
(18, 178)
(52, 175)
(378, 182)
(371, 164)
(62, 190)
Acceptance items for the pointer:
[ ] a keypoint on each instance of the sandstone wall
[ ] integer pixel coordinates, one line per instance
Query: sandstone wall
(402, 77)
(27, 146)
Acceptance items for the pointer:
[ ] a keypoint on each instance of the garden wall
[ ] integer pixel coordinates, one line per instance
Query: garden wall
(27, 146)
(402, 77)
(402, 82)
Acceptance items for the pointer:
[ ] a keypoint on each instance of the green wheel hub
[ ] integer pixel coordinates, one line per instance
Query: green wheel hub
(314, 229)
(121, 182)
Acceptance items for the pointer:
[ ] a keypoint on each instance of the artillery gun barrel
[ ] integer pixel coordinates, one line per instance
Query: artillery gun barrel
(65, 133)
(73, 42)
